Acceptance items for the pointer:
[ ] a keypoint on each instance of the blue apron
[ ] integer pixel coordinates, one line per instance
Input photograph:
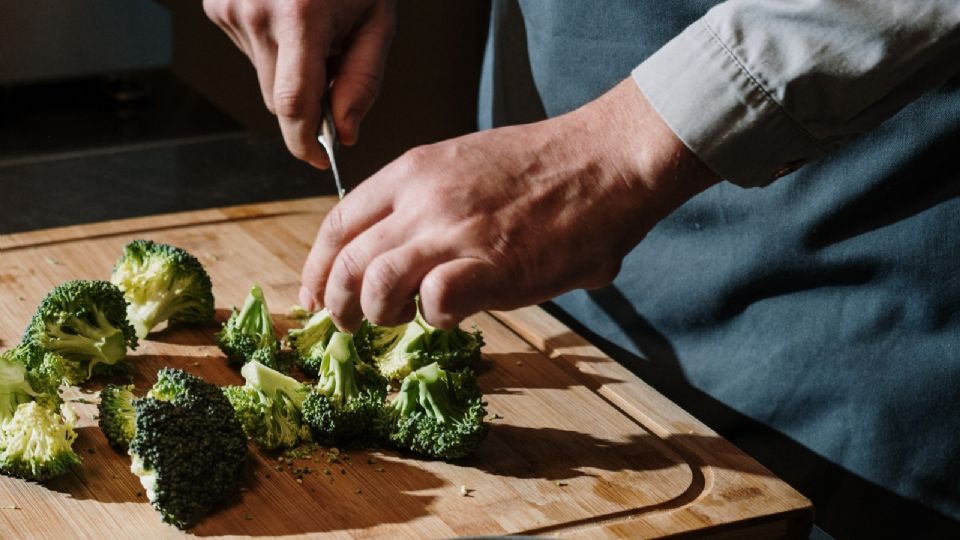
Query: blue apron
(815, 323)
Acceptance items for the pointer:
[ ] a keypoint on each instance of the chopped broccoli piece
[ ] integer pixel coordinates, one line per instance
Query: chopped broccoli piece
(85, 322)
(117, 416)
(162, 283)
(188, 448)
(398, 350)
(347, 401)
(44, 371)
(437, 413)
(249, 334)
(309, 342)
(14, 387)
(268, 407)
(35, 443)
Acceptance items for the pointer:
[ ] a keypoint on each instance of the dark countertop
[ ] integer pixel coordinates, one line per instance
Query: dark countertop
(169, 176)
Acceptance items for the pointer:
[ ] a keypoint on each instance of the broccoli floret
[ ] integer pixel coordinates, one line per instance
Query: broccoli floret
(162, 283)
(345, 405)
(188, 448)
(36, 443)
(309, 342)
(399, 350)
(14, 387)
(43, 370)
(249, 335)
(86, 323)
(117, 416)
(437, 413)
(268, 407)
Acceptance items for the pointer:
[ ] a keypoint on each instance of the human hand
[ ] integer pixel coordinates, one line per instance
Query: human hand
(503, 218)
(298, 46)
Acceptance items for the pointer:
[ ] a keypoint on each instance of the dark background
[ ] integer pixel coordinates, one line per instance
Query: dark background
(195, 133)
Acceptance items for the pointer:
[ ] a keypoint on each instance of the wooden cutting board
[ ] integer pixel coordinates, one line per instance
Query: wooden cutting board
(578, 445)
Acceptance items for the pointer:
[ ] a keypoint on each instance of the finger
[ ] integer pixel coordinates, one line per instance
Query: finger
(298, 88)
(456, 289)
(362, 208)
(357, 81)
(352, 272)
(392, 280)
(264, 57)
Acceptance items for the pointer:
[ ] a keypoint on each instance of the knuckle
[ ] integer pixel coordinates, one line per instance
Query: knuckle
(333, 229)
(368, 86)
(380, 280)
(347, 270)
(290, 100)
(254, 16)
(414, 160)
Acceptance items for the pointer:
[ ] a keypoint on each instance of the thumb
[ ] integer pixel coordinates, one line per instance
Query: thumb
(357, 81)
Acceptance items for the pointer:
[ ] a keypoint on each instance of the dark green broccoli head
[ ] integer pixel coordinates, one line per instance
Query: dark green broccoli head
(397, 351)
(249, 335)
(162, 283)
(188, 448)
(309, 342)
(348, 399)
(437, 413)
(117, 417)
(28, 373)
(268, 407)
(84, 321)
(36, 443)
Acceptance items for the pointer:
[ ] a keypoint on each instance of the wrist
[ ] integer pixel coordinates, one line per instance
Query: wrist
(651, 162)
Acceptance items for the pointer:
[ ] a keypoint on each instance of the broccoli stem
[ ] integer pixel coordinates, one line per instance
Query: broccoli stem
(272, 382)
(102, 343)
(338, 378)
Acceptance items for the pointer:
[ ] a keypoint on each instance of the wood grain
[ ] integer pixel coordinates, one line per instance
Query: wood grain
(580, 446)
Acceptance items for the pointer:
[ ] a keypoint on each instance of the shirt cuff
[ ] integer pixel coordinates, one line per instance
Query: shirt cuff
(721, 111)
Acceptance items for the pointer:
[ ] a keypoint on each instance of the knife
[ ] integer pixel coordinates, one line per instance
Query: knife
(327, 136)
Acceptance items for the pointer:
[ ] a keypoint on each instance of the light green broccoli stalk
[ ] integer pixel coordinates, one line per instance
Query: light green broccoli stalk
(309, 342)
(268, 407)
(399, 350)
(347, 401)
(249, 335)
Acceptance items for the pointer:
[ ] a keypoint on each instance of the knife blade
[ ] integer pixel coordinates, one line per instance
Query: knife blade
(327, 136)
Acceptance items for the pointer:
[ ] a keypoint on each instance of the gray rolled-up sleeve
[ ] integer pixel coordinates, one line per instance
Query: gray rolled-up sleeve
(757, 88)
